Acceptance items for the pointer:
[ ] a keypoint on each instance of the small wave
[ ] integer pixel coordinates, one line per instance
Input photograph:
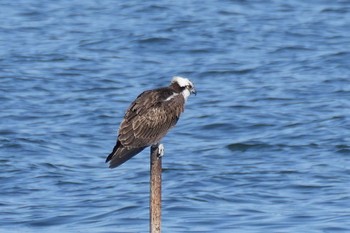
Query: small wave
(154, 40)
(217, 126)
(343, 149)
(246, 146)
(292, 48)
(228, 72)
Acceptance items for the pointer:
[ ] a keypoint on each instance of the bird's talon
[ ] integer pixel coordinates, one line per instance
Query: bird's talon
(160, 150)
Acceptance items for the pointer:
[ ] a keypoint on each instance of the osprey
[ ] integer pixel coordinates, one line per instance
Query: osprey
(149, 118)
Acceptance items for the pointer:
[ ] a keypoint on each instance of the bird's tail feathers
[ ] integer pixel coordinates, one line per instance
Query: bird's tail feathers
(121, 154)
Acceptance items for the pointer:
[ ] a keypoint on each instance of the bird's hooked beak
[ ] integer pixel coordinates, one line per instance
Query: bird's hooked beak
(193, 91)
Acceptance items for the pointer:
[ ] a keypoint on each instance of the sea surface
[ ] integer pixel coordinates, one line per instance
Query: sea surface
(263, 147)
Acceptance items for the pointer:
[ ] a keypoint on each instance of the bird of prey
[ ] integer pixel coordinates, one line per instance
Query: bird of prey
(149, 118)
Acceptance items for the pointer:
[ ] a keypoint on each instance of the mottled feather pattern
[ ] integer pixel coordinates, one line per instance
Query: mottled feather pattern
(146, 122)
(149, 118)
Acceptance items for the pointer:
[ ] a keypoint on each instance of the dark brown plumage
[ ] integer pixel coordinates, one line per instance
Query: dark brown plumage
(148, 119)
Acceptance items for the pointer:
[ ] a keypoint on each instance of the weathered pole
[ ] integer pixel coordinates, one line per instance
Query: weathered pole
(155, 203)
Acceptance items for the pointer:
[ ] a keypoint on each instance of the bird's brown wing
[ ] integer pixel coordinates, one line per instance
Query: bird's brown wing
(149, 118)
(146, 122)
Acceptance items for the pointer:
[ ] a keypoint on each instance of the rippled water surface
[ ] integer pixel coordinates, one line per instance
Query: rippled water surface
(263, 147)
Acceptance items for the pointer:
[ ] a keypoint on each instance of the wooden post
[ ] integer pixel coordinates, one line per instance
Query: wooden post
(155, 204)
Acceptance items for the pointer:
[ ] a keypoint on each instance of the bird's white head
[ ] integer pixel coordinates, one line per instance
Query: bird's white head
(185, 84)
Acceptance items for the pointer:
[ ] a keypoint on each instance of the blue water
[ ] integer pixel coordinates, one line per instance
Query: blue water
(263, 147)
